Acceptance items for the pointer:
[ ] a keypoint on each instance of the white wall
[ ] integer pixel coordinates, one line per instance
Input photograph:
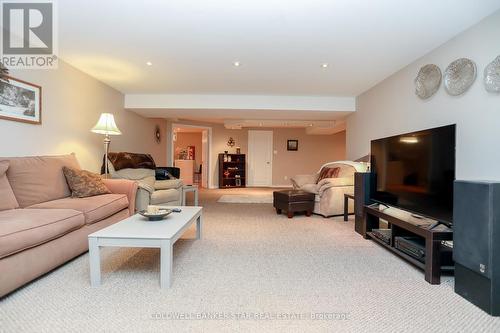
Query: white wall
(391, 107)
(71, 104)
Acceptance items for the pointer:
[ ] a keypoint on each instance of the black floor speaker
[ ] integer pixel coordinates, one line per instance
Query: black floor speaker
(476, 240)
(363, 187)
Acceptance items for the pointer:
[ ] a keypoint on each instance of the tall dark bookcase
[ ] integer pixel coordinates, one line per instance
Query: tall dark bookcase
(236, 169)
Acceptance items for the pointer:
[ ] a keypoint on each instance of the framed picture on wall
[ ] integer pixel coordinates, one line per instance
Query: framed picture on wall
(292, 145)
(20, 101)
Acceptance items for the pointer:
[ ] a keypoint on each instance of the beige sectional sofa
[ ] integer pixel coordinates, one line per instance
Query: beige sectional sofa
(329, 192)
(41, 226)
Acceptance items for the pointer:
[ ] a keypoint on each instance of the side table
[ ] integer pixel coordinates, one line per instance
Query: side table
(189, 188)
(346, 205)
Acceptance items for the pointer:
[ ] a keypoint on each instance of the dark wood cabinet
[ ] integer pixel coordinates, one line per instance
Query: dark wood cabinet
(232, 170)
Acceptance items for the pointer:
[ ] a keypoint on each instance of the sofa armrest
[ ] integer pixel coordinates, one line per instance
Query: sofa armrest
(123, 186)
(168, 184)
(327, 183)
(300, 180)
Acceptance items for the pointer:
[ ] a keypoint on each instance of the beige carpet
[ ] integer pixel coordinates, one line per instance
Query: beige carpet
(256, 271)
(246, 198)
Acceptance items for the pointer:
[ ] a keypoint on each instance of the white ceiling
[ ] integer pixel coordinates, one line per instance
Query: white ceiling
(281, 44)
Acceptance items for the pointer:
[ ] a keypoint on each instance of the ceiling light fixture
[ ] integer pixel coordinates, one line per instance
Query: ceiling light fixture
(324, 65)
(236, 64)
(149, 63)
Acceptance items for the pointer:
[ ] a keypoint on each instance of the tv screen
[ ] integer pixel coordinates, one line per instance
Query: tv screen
(415, 172)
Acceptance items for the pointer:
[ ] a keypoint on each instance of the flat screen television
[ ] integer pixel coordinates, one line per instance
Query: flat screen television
(415, 172)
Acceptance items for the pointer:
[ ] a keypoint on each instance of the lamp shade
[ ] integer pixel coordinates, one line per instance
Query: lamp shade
(106, 125)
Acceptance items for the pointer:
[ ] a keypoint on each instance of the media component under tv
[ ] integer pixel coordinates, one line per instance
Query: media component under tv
(415, 172)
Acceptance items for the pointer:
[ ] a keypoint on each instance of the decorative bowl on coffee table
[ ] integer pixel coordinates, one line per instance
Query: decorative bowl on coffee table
(156, 216)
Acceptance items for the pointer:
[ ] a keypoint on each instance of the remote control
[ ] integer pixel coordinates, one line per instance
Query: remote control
(176, 210)
(432, 226)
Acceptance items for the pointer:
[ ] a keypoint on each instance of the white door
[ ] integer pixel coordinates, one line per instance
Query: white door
(204, 159)
(260, 158)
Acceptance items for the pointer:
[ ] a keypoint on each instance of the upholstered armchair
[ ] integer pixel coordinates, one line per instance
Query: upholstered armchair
(151, 191)
(329, 192)
(141, 168)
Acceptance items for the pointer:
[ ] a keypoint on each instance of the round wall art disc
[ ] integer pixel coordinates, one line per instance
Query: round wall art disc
(492, 76)
(427, 81)
(459, 76)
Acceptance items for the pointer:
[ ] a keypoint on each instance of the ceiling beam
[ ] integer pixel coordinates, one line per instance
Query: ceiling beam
(242, 102)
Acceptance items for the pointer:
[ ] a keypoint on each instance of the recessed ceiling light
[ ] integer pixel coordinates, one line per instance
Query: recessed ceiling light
(324, 65)
(310, 125)
(149, 63)
(236, 64)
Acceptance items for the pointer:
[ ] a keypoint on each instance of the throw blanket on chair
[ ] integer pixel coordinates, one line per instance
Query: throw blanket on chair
(124, 160)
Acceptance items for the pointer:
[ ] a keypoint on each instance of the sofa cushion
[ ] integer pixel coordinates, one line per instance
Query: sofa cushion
(168, 184)
(83, 183)
(94, 208)
(328, 172)
(165, 196)
(7, 198)
(38, 179)
(21, 229)
(132, 174)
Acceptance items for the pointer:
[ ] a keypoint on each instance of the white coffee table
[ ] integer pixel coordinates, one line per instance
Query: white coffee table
(136, 231)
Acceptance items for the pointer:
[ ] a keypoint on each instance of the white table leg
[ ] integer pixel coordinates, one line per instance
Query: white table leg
(199, 226)
(95, 262)
(166, 252)
(196, 197)
(183, 200)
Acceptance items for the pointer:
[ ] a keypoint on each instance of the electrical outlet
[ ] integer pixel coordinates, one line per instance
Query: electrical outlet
(286, 177)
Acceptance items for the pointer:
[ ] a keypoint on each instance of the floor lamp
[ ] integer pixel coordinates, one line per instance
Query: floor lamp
(106, 125)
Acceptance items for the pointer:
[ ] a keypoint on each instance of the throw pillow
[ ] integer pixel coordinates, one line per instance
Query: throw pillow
(7, 197)
(328, 173)
(83, 183)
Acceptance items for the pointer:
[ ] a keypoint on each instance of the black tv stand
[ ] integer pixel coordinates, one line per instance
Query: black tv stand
(401, 226)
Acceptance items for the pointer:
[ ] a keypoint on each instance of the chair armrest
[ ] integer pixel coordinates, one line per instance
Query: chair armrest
(168, 184)
(300, 180)
(327, 183)
(123, 186)
(146, 186)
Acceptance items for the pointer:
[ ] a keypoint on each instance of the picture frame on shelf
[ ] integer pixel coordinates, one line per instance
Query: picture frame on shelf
(20, 101)
(191, 153)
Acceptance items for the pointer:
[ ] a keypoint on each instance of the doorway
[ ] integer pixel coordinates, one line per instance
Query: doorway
(190, 151)
(260, 158)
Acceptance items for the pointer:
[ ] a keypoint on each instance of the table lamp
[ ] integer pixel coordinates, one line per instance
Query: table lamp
(106, 125)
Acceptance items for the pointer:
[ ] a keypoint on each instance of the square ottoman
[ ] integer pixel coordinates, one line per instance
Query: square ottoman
(293, 201)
